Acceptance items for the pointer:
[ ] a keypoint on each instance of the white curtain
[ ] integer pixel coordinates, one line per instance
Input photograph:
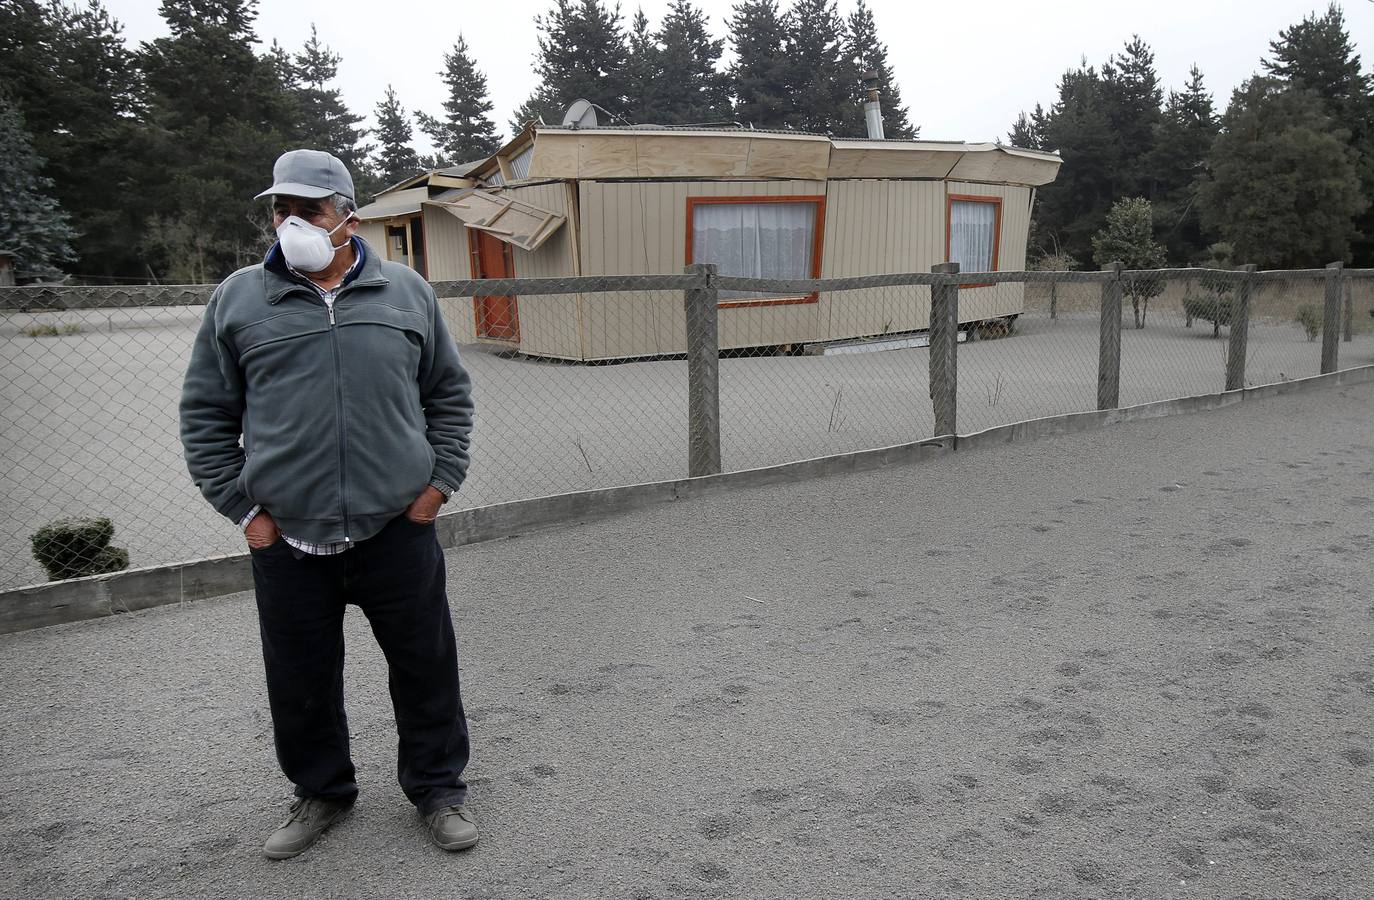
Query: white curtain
(972, 227)
(754, 240)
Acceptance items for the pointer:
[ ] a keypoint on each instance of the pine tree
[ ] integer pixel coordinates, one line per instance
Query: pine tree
(1177, 165)
(1079, 127)
(1127, 237)
(325, 122)
(821, 76)
(542, 106)
(1284, 190)
(71, 77)
(870, 54)
(465, 132)
(1028, 131)
(33, 226)
(1317, 55)
(582, 55)
(396, 158)
(758, 76)
(690, 89)
(642, 72)
(1130, 88)
(223, 118)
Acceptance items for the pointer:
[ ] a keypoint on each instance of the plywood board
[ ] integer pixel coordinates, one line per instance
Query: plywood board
(506, 218)
(672, 155)
(891, 162)
(778, 156)
(998, 166)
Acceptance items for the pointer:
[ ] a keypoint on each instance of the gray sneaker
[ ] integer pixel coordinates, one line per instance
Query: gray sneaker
(309, 818)
(453, 827)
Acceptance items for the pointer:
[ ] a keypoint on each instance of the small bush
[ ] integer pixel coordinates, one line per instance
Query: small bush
(1215, 309)
(52, 330)
(71, 548)
(1310, 318)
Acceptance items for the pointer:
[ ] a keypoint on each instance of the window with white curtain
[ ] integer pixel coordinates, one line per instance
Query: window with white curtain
(755, 240)
(973, 234)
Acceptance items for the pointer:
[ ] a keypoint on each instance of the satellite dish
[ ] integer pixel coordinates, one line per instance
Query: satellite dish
(582, 114)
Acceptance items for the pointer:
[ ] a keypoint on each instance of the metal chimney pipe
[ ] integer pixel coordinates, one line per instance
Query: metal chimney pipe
(873, 109)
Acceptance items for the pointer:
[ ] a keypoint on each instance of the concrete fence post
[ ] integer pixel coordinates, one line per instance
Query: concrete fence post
(1109, 343)
(703, 374)
(1331, 317)
(944, 354)
(1239, 338)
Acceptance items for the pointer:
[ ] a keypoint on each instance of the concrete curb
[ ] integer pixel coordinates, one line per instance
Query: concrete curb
(60, 602)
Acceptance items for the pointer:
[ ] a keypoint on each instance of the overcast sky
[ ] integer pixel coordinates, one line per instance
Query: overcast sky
(965, 69)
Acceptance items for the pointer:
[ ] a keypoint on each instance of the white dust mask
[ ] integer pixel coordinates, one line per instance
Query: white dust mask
(308, 247)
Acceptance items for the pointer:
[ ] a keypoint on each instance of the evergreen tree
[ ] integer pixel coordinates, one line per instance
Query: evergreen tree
(75, 83)
(759, 74)
(1028, 131)
(33, 226)
(324, 121)
(870, 54)
(222, 118)
(1127, 237)
(396, 158)
(582, 55)
(821, 75)
(1284, 190)
(690, 89)
(1184, 137)
(1317, 55)
(1079, 128)
(542, 105)
(642, 72)
(1131, 91)
(466, 132)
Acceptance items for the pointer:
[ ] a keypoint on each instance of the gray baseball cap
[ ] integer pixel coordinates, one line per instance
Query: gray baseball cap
(309, 173)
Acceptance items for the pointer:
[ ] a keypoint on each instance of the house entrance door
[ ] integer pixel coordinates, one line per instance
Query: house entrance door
(497, 316)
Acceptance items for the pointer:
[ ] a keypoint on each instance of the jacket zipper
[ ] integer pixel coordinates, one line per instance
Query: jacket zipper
(343, 431)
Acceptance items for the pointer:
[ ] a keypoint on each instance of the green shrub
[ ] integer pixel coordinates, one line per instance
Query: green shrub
(71, 548)
(1216, 309)
(1310, 318)
(52, 330)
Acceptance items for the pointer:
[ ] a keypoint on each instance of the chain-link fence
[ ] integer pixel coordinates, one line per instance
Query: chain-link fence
(583, 383)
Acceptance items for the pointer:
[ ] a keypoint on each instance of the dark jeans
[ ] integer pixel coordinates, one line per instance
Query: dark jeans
(397, 579)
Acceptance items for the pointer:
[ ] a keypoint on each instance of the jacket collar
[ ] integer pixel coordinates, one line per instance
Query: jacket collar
(278, 280)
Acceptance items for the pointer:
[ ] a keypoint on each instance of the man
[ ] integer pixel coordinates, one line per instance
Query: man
(336, 369)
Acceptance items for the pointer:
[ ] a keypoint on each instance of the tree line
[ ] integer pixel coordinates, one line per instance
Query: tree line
(121, 163)
(139, 164)
(1282, 177)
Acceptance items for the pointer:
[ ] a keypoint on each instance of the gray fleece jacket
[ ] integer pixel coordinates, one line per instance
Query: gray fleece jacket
(345, 415)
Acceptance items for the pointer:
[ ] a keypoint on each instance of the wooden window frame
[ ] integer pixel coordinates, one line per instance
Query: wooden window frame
(475, 270)
(996, 229)
(817, 242)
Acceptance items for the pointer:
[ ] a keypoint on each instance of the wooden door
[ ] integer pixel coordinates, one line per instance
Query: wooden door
(497, 316)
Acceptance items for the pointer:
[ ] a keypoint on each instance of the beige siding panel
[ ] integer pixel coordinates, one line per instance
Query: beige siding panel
(458, 315)
(1000, 299)
(374, 235)
(880, 227)
(446, 245)
(446, 248)
(640, 228)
